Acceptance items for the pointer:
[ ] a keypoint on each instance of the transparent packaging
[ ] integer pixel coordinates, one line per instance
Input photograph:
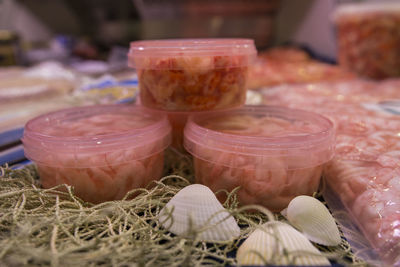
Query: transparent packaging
(364, 175)
(178, 121)
(368, 38)
(192, 74)
(272, 153)
(102, 151)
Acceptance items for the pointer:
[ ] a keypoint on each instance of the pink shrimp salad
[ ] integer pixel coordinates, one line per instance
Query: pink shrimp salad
(369, 39)
(265, 150)
(190, 75)
(103, 151)
(194, 89)
(365, 173)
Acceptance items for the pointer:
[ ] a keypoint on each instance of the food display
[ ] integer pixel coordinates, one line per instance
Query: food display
(102, 151)
(368, 38)
(192, 74)
(274, 154)
(29, 92)
(365, 171)
(24, 90)
(288, 65)
(249, 174)
(366, 177)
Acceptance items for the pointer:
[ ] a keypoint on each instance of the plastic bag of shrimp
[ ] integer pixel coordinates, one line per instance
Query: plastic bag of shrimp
(365, 175)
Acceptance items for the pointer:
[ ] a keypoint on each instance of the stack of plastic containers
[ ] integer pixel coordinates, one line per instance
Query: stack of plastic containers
(272, 153)
(197, 86)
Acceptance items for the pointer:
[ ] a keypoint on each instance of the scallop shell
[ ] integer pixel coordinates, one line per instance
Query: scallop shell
(195, 208)
(314, 220)
(279, 244)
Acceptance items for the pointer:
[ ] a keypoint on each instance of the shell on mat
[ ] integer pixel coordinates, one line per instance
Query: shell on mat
(314, 220)
(195, 209)
(278, 243)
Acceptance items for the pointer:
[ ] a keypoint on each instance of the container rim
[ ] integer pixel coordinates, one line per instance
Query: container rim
(130, 138)
(165, 46)
(258, 145)
(142, 54)
(350, 9)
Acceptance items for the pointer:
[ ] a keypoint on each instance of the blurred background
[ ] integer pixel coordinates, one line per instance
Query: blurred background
(65, 53)
(34, 31)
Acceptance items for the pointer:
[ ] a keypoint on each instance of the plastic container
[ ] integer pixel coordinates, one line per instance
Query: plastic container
(368, 38)
(102, 151)
(177, 120)
(272, 153)
(192, 74)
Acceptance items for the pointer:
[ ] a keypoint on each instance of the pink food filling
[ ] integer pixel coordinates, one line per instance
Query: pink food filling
(97, 175)
(193, 83)
(271, 181)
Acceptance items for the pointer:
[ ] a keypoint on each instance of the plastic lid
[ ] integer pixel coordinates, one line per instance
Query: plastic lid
(147, 54)
(366, 8)
(96, 129)
(262, 131)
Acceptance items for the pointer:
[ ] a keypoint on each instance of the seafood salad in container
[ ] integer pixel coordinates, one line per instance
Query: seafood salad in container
(102, 151)
(274, 154)
(368, 38)
(192, 74)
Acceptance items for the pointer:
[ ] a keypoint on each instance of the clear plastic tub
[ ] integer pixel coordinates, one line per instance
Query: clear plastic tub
(272, 153)
(102, 151)
(192, 74)
(368, 38)
(178, 121)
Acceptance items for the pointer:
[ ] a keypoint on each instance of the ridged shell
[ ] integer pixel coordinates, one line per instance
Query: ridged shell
(196, 208)
(314, 220)
(279, 244)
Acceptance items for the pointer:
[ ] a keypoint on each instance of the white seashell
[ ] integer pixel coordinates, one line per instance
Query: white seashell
(314, 220)
(195, 207)
(279, 244)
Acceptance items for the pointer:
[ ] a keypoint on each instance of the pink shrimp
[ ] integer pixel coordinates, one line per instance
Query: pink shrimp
(267, 182)
(269, 176)
(194, 83)
(365, 173)
(104, 175)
